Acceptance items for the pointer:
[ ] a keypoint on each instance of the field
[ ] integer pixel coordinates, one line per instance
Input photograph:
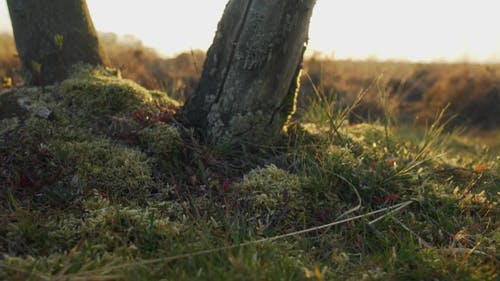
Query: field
(389, 172)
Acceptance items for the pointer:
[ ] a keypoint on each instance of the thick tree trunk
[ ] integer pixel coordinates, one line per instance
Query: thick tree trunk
(249, 82)
(51, 36)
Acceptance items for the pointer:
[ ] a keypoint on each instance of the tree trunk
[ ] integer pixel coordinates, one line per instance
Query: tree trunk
(249, 82)
(52, 36)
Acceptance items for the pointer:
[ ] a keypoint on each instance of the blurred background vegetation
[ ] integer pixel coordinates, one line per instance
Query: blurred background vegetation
(413, 92)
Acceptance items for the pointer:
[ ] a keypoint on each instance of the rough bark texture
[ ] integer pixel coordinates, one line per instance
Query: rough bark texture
(249, 82)
(51, 36)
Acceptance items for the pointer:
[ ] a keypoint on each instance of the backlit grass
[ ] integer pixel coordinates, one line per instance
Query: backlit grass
(129, 195)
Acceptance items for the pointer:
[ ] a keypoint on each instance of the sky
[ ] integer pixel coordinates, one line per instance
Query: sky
(424, 30)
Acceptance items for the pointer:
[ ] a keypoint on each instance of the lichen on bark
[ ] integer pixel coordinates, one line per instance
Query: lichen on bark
(248, 86)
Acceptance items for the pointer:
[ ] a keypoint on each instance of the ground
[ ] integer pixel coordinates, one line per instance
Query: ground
(99, 182)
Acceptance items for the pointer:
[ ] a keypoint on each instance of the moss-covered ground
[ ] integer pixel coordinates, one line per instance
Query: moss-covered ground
(99, 182)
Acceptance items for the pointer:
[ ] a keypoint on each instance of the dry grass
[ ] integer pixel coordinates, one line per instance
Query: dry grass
(413, 92)
(98, 193)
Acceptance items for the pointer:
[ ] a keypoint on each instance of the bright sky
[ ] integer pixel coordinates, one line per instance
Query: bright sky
(424, 30)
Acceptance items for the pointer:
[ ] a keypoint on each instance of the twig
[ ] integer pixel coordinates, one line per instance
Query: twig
(420, 239)
(357, 207)
(454, 251)
(375, 231)
(391, 209)
(93, 278)
(13, 268)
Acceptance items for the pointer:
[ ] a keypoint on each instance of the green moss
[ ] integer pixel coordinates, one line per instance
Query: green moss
(114, 169)
(97, 92)
(36, 233)
(143, 227)
(81, 198)
(161, 141)
(27, 159)
(27, 102)
(96, 97)
(82, 134)
(36, 130)
(100, 227)
(162, 100)
(269, 189)
(8, 124)
(367, 134)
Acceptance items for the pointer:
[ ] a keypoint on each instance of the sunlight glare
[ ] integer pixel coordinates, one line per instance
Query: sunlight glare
(425, 30)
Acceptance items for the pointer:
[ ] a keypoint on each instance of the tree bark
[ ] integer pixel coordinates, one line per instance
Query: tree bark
(52, 36)
(249, 82)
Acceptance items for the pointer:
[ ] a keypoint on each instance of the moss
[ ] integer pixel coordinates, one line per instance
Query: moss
(367, 134)
(102, 232)
(68, 162)
(97, 97)
(97, 92)
(26, 102)
(27, 160)
(341, 157)
(10, 107)
(40, 267)
(8, 124)
(162, 100)
(161, 141)
(83, 134)
(269, 189)
(36, 233)
(143, 227)
(114, 169)
(99, 226)
(37, 130)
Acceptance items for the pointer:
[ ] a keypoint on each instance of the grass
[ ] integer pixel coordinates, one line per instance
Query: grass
(334, 201)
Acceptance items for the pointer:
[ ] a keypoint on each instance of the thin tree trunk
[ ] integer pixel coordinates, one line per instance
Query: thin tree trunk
(52, 36)
(249, 82)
